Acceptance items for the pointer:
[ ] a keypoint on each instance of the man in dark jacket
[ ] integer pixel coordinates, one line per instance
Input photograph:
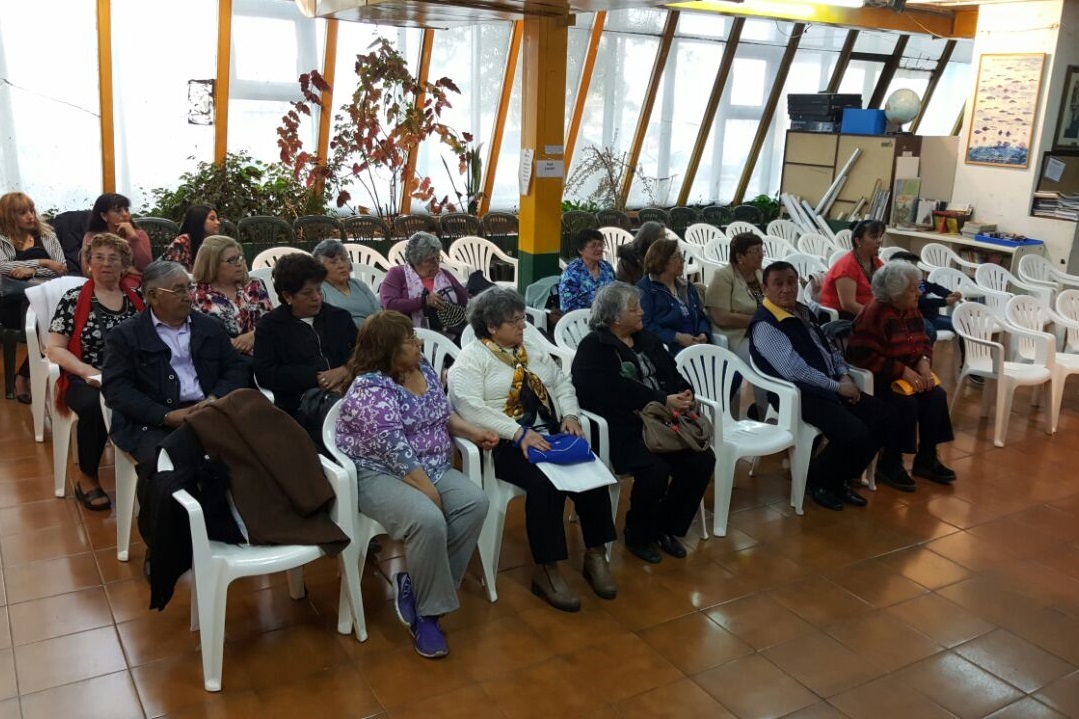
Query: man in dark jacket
(786, 342)
(163, 363)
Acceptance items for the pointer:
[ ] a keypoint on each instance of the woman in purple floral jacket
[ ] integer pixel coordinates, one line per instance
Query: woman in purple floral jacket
(395, 424)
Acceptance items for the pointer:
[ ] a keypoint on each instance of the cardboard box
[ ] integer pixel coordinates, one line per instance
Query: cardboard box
(863, 122)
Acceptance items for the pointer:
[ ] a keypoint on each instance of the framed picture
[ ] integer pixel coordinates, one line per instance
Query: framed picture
(1005, 108)
(1067, 135)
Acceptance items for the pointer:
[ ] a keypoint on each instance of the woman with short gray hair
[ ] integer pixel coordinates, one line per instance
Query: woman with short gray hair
(888, 339)
(619, 368)
(424, 291)
(507, 383)
(340, 288)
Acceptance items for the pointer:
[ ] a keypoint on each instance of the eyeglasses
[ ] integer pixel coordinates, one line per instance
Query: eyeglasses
(185, 290)
(595, 246)
(758, 250)
(518, 321)
(106, 259)
(236, 260)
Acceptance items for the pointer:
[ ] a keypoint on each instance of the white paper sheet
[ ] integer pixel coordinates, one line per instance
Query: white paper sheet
(1054, 169)
(577, 477)
(524, 175)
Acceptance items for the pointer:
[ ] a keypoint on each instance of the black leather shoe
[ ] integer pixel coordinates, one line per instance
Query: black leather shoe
(849, 496)
(646, 552)
(897, 478)
(825, 498)
(669, 544)
(934, 472)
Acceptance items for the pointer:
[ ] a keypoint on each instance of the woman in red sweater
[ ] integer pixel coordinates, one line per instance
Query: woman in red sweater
(846, 287)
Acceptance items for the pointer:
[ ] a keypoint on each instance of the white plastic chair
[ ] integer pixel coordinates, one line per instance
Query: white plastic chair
(370, 276)
(843, 240)
(777, 248)
(936, 255)
(1067, 309)
(572, 328)
(711, 371)
(738, 227)
(396, 256)
(985, 358)
(887, 253)
(268, 258)
(1026, 312)
(836, 257)
(997, 278)
(817, 245)
(1038, 270)
(215, 565)
(810, 301)
(785, 229)
(806, 264)
(366, 255)
(126, 479)
(43, 300)
(613, 238)
(477, 253)
(701, 233)
(718, 250)
(266, 275)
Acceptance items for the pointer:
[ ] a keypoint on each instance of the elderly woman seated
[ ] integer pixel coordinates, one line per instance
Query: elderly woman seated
(583, 277)
(424, 291)
(618, 369)
(889, 340)
(341, 289)
(224, 290)
(304, 343)
(672, 307)
(505, 383)
(396, 423)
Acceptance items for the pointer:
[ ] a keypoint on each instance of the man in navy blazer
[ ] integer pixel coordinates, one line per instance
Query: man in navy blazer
(165, 362)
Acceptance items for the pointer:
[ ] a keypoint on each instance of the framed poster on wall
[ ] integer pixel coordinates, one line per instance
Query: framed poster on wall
(1067, 134)
(1005, 108)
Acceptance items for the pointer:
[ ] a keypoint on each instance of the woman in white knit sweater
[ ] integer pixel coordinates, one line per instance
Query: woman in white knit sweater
(506, 384)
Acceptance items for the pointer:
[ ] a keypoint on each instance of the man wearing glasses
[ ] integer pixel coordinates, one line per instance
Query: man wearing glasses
(163, 363)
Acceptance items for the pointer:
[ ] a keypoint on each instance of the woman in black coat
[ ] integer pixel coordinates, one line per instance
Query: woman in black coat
(304, 343)
(618, 369)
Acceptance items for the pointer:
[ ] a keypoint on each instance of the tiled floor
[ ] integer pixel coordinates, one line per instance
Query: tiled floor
(948, 602)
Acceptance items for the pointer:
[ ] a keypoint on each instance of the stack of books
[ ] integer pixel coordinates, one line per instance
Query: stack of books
(1057, 205)
(970, 229)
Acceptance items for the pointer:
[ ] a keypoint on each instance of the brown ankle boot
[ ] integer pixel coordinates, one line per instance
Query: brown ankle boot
(547, 584)
(598, 573)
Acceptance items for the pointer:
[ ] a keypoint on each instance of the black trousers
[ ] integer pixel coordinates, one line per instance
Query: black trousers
(855, 433)
(545, 507)
(145, 451)
(922, 416)
(666, 494)
(90, 432)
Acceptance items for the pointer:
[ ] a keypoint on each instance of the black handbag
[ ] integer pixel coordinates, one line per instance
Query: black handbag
(315, 404)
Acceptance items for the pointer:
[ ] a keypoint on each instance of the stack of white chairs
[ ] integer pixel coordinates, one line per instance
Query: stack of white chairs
(985, 358)
(268, 258)
(785, 229)
(476, 253)
(738, 227)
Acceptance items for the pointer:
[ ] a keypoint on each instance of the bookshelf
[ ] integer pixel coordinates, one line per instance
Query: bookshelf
(968, 249)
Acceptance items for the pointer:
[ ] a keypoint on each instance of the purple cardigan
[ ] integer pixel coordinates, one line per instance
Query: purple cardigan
(393, 294)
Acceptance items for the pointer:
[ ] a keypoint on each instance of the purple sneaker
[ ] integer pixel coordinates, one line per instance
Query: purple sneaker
(404, 601)
(427, 638)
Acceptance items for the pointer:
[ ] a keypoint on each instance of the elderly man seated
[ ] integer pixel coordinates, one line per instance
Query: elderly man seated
(786, 342)
(164, 362)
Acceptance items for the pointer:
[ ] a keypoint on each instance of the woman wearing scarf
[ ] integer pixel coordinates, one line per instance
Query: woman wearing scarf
(504, 383)
(84, 317)
(424, 291)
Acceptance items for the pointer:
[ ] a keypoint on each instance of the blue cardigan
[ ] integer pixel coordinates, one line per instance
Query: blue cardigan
(663, 315)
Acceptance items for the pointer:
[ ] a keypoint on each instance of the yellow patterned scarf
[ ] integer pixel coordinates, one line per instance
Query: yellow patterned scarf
(518, 361)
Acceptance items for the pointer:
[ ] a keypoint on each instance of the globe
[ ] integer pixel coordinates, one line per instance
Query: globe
(902, 106)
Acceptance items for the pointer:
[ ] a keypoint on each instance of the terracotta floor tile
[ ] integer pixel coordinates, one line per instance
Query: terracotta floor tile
(470, 702)
(10, 709)
(176, 683)
(958, 685)
(926, 567)
(820, 710)
(1026, 708)
(1050, 629)
(49, 543)
(8, 677)
(563, 632)
(38, 515)
(111, 696)
(695, 643)
(757, 564)
(499, 647)
(113, 570)
(760, 621)
(230, 704)
(157, 635)
(681, 700)
(69, 658)
(819, 601)
(992, 600)
(1062, 695)
(885, 641)
(946, 623)
(876, 584)
(644, 602)
(55, 576)
(393, 677)
(822, 664)
(550, 689)
(887, 698)
(278, 657)
(754, 687)
(1015, 660)
(621, 668)
(336, 692)
(61, 614)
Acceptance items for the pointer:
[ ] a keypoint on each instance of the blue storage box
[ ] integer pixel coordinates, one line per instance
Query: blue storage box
(863, 122)
(1005, 242)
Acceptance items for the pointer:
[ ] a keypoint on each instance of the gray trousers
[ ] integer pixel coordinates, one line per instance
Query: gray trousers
(438, 543)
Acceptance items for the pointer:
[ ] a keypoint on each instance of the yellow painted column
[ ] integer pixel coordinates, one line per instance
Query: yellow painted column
(543, 101)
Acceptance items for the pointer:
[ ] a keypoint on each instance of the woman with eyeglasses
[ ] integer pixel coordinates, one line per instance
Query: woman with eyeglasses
(341, 289)
(508, 384)
(112, 214)
(424, 291)
(83, 319)
(672, 306)
(305, 342)
(736, 290)
(224, 290)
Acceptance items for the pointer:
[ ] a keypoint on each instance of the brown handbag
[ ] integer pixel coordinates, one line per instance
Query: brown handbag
(665, 431)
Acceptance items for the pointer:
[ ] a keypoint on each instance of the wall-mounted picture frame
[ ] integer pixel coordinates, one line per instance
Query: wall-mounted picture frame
(1067, 134)
(1005, 109)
